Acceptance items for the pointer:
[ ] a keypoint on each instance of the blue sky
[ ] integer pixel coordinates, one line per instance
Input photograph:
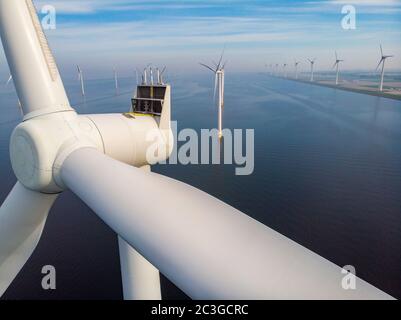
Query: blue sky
(100, 34)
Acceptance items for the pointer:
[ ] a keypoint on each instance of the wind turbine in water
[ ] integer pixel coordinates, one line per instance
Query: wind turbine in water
(219, 88)
(296, 63)
(10, 78)
(337, 66)
(81, 79)
(163, 224)
(381, 62)
(116, 80)
(312, 63)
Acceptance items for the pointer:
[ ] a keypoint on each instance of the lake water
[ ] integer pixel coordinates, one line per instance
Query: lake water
(327, 175)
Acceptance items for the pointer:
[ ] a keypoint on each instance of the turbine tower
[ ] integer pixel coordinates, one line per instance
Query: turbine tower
(116, 80)
(219, 87)
(381, 62)
(137, 76)
(81, 79)
(296, 63)
(337, 66)
(285, 70)
(162, 224)
(312, 63)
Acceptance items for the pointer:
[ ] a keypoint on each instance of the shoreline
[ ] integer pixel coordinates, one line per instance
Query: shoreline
(384, 94)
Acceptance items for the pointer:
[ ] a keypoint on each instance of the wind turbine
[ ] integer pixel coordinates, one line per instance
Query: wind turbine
(163, 224)
(10, 78)
(219, 87)
(81, 79)
(137, 76)
(296, 63)
(381, 62)
(312, 63)
(337, 66)
(115, 80)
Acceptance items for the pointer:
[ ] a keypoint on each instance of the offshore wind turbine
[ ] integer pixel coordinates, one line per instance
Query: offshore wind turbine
(218, 87)
(337, 66)
(381, 62)
(296, 63)
(312, 63)
(164, 224)
(10, 78)
(137, 76)
(81, 79)
(116, 80)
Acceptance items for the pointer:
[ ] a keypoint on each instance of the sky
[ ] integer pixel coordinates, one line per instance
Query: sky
(127, 34)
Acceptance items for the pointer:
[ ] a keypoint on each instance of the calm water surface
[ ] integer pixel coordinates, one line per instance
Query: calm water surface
(327, 175)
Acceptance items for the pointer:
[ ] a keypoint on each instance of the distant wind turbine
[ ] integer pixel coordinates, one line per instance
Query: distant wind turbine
(296, 69)
(381, 62)
(19, 101)
(116, 80)
(81, 79)
(9, 80)
(337, 66)
(285, 70)
(137, 76)
(218, 86)
(312, 63)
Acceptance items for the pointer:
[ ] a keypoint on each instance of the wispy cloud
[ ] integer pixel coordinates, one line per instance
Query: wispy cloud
(103, 33)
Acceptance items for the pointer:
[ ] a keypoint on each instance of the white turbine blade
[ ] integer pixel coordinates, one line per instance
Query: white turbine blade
(207, 248)
(22, 218)
(34, 70)
(221, 58)
(335, 63)
(381, 50)
(9, 80)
